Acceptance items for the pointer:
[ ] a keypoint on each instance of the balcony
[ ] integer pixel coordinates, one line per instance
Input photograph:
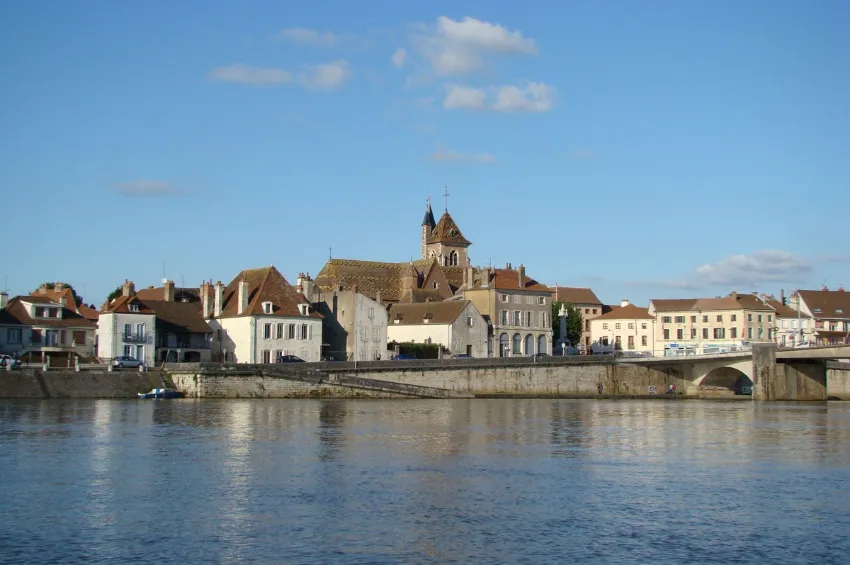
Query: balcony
(136, 338)
(184, 345)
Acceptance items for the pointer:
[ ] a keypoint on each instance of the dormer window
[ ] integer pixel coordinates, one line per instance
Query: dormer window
(267, 307)
(817, 310)
(303, 309)
(134, 307)
(839, 311)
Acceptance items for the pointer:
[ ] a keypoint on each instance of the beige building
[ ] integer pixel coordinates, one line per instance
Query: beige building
(519, 310)
(588, 304)
(259, 317)
(830, 311)
(456, 325)
(706, 325)
(630, 328)
(793, 327)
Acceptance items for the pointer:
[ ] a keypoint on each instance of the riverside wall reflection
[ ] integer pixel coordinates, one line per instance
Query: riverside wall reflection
(383, 481)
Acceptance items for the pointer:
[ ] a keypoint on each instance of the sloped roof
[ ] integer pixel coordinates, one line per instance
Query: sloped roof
(436, 312)
(833, 304)
(181, 316)
(627, 312)
(733, 301)
(428, 220)
(785, 311)
(576, 295)
(181, 294)
(16, 313)
(673, 304)
(264, 285)
(121, 305)
(446, 231)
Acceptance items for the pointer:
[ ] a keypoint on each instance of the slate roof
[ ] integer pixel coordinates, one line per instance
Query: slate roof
(833, 304)
(264, 285)
(576, 295)
(436, 313)
(16, 313)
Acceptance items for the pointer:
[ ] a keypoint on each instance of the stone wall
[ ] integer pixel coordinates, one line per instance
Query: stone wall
(30, 383)
(838, 380)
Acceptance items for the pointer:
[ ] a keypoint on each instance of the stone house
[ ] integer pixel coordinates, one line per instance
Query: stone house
(586, 301)
(630, 328)
(456, 325)
(259, 317)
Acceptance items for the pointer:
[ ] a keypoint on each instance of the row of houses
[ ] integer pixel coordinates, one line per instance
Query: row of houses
(354, 308)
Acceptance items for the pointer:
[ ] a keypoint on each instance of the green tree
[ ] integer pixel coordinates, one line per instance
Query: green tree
(77, 298)
(114, 294)
(575, 322)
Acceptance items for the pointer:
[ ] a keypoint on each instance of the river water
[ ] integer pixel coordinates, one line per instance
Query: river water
(432, 481)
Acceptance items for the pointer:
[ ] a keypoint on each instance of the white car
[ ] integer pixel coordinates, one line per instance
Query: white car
(7, 361)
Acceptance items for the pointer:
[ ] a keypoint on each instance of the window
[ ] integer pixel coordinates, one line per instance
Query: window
(666, 334)
(541, 300)
(587, 325)
(516, 298)
(618, 342)
(371, 313)
(529, 300)
(79, 337)
(128, 330)
(290, 331)
(134, 307)
(693, 333)
(13, 335)
(53, 312)
(761, 333)
(267, 332)
(749, 317)
(604, 325)
(278, 354)
(693, 319)
(469, 321)
(680, 334)
(279, 334)
(503, 298)
(680, 319)
(643, 341)
(587, 310)
(140, 332)
(39, 312)
(517, 321)
(631, 344)
(705, 319)
(436, 286)
(528, 319)
(719, 333)
(643, 325)
(503, 317)
(759, 318)
(267, 308)
(267, 355)
(617, 326)
(733, 333)
(631, 325)
(517, 345)
(720, 317)
(770, 317)
(594, 310)
(127, 351)
(665, 319)
(705, 333)
(305, 331)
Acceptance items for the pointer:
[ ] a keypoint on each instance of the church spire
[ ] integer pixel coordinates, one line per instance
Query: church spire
(428, 220)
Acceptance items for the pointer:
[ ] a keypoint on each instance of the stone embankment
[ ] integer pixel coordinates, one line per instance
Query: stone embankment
(32, 383)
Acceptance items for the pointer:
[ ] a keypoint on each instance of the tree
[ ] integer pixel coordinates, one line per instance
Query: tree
(115, 294)
(78, 300)
(575, 322)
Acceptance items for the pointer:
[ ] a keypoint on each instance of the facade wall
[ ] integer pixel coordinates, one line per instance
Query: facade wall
(512, 312)
(632, 335)
(588, 313)
(10, 344)
(788, 333)
(236, 337)
(468, 333)
(420, 333)
(306, 346)
(697, 329)
(345, 312)
(111, 341)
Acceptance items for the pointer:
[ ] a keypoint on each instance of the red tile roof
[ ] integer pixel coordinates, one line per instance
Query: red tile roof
(827, 304)
(575, 295)
(264, 285)
(508, 279)
(17, 313)
(628, 312)
(436, 312)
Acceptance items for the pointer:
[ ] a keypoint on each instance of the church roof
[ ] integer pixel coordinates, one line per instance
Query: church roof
(446, 231)
(428, 220)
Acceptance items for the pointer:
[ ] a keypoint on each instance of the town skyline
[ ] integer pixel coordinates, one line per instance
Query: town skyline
(675, 151)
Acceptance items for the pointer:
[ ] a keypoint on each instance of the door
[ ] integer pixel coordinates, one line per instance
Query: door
(140, 352)
(469, 350)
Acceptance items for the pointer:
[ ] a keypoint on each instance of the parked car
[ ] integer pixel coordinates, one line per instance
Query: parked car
(289, 359)
(126, 361)
(461, 356)
(7, 361)
(538, 356)
(404, 357)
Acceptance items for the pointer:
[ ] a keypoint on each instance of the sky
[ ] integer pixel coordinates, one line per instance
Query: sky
(653, 149)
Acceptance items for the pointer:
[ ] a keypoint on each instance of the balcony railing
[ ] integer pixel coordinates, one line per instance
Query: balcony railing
(162, 345)
(137, 338)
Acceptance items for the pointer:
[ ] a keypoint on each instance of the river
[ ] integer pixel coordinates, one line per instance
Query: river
(431, 481)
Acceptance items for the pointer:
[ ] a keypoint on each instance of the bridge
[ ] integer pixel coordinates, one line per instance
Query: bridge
(774, 373)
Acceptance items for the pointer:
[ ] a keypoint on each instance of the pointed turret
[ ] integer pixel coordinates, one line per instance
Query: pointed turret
(428, 220)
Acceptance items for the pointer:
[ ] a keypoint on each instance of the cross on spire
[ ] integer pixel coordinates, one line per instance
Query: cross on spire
(446, 196)
(330, 253)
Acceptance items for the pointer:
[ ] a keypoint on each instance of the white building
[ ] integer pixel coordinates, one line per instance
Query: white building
(628, 327)
(260, 317)
(456, 325)
(34, 327)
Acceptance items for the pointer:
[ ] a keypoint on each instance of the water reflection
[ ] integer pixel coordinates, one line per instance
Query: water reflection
(347, 481)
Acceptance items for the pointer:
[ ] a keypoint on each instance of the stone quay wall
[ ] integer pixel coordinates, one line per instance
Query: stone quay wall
(32, 383)
(838, 380)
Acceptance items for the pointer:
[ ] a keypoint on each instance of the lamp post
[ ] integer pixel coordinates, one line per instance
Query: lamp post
(562, 320)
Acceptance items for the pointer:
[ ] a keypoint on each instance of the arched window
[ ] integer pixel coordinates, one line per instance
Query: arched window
(517, 344)
(529, 344)
(453, 258)
(541, 345)
(503, 345)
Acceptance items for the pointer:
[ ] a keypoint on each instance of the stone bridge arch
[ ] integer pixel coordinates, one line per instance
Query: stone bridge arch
(723, 377)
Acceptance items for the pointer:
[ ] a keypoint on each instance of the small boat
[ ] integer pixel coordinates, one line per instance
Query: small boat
(162, 393)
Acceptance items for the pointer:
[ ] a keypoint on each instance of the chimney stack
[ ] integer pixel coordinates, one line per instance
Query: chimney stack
(129, 289)
(242, 305)
(218, 299)
(485, 278)
(624, 302)
(59, 287)
(305, 283)
(4, 299)
(521, 277)
(470, 277)
(206, 303)
(168, 291)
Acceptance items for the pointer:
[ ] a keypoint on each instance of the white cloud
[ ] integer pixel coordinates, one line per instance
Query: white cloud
(769, 265)
(399, 57)
(306, 36)
(326, 76)
(442, 155)
(244, 74)
(145, 188)
(533, 97)
(461, 47)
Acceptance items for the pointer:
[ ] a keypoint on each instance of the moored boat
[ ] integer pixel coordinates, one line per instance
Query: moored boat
(162, 393)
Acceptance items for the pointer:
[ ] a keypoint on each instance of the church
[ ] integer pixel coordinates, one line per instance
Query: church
(436, 276)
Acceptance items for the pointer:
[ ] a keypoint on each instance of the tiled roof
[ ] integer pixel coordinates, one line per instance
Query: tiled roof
(436, 312)
(181, 294)
(732, 301)
(575, 295)
(508, 279)
(38, 299)
(180, 316)
(264, 285)
(121, 305)
(88, 312)
(785, 311)
(627, 312)
(446, 231)
(16, 313)
(64, 296)
(673, 305)
(825, 304)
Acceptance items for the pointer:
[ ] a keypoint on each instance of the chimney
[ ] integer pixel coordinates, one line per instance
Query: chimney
(168, 291)
(242, 305)
(128, 289)
(624, 302)
(219, 297)
(43, 288)
(521, 277)
(782, 296)
(306, 284)
(378, 298)
(355, 288)
(4, 299)
(59, 287)
(205, 300)
(485, 278)
(470, 277)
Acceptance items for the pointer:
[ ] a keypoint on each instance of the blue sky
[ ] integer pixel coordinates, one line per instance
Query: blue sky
(644, 149)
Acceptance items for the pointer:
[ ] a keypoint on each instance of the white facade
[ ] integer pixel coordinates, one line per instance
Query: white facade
(369, 329)
(789, 332)
(629, 334)
(466, 334)
(130, 334)
(262, 339)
